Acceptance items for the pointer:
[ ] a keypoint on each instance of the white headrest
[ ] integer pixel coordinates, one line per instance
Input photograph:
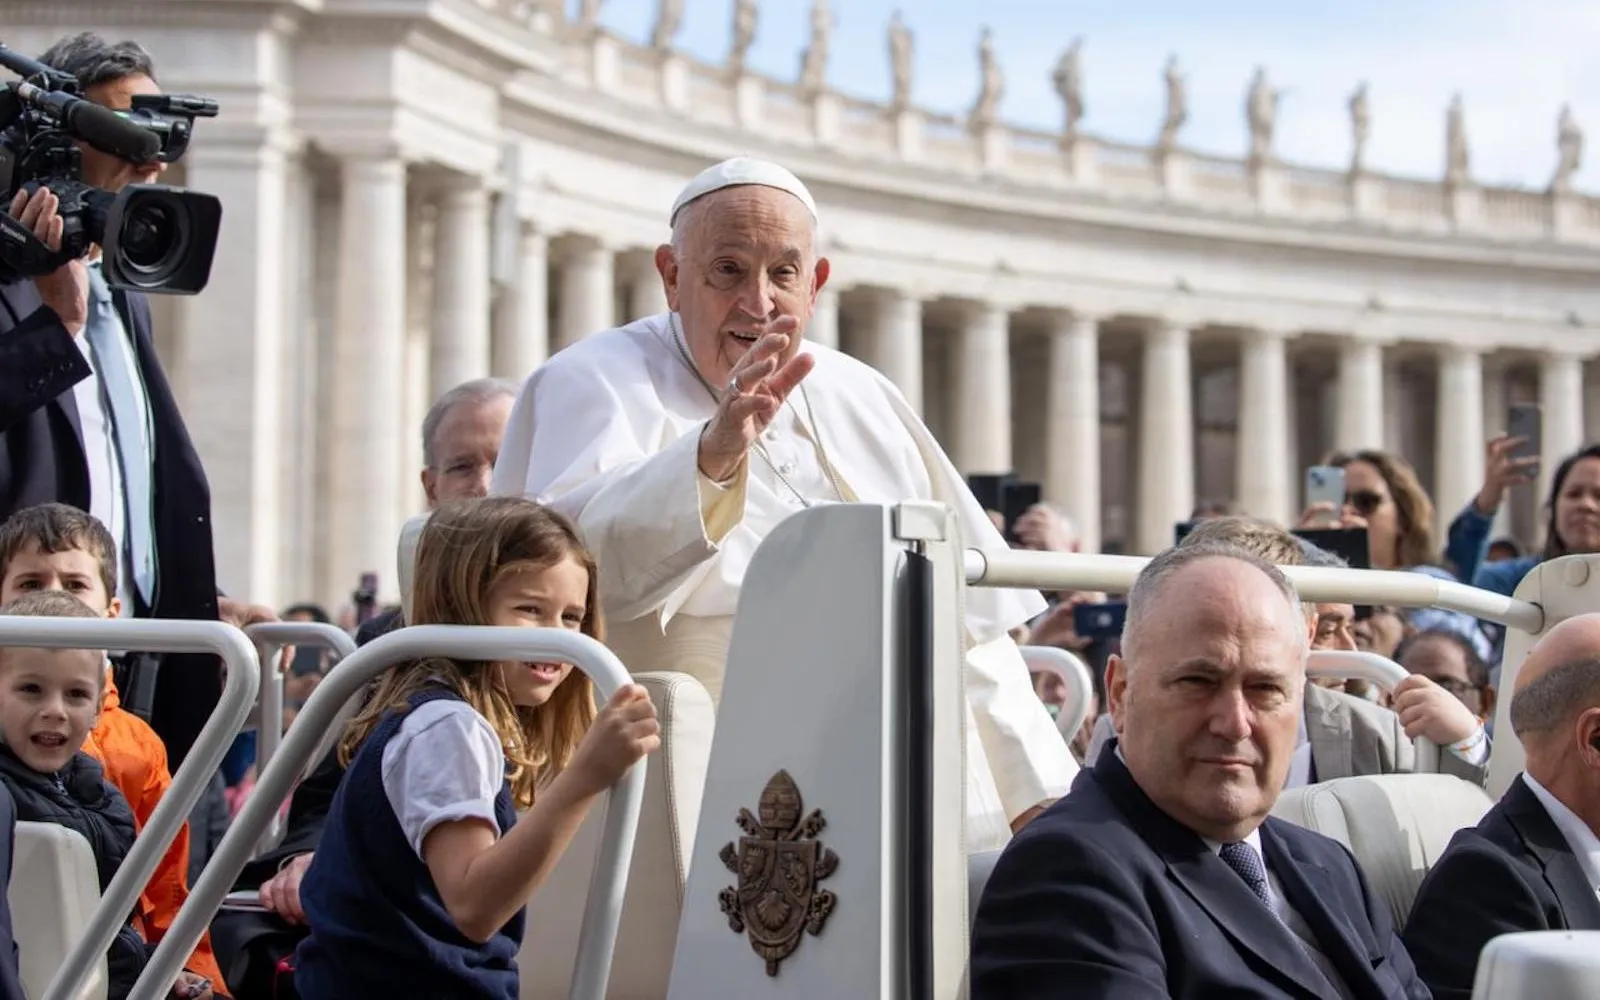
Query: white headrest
(406, 560)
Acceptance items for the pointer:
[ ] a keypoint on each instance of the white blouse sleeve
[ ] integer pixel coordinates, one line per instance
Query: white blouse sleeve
(445, 764)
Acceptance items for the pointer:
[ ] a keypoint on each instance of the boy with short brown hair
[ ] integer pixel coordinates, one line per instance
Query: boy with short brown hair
(54, 546)
(49, 701)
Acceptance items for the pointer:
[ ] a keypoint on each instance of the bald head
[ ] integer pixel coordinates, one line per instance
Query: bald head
(1559, 680)
(1201, 567)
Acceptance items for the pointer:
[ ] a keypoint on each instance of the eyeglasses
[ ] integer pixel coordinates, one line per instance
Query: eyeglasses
(1454, 686)
(1364, 501)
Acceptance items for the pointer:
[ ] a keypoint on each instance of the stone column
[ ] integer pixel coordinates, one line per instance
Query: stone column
(1265, 483)
(824, 326)
(1561, 399)
(1072, 423)
(895, 344)
(460, 344)
(1166, 438)
(233, 348)
(365, 510)
(1360, 418)
(646, 296)
(588, 302)
(981, 426)
(1494, 425)
(522, 329)
(1458, 435)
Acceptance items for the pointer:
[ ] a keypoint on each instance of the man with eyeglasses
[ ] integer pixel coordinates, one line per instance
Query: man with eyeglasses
(1450, 661)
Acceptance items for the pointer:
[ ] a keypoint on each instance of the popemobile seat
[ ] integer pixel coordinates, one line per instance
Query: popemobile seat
(54, 890)
(1396, 825)
(675, 778)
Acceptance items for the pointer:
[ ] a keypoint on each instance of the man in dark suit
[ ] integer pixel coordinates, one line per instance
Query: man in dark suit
(1161, 873)
(1532, 863)
(74, 357)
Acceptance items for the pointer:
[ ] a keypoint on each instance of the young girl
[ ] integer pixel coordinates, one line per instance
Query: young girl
(419, 881)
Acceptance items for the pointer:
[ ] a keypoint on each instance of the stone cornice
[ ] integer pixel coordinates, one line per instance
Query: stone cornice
(921, 189)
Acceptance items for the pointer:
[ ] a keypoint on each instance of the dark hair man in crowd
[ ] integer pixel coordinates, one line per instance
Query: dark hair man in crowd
(89, 420)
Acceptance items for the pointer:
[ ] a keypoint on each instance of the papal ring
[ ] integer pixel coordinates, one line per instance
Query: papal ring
(733, 385)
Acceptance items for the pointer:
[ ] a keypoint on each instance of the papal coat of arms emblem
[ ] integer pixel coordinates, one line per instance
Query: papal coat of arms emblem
(779, 863)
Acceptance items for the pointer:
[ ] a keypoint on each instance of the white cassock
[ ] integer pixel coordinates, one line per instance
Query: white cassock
(608, 431)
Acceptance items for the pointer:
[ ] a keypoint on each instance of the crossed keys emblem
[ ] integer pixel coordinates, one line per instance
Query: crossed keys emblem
(779, 863)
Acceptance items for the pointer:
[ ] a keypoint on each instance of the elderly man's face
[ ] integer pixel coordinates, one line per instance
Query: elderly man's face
(102, 169)
(747, 262)
(465, 448)
(1207, 694)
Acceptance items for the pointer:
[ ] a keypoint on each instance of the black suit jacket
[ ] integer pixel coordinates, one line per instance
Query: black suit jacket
(1105, 896)
(10, 972)
(42, 460)
(1512, 872)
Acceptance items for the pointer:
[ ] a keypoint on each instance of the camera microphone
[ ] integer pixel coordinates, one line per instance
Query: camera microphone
(100, 127)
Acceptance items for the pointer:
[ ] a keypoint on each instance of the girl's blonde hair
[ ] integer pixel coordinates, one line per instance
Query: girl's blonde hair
(465, 549)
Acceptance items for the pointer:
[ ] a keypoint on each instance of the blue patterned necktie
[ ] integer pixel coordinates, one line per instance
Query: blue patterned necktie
(1247, 864)
(114, 363)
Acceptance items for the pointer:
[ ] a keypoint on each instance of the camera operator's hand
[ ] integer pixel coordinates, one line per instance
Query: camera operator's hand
(66, 289)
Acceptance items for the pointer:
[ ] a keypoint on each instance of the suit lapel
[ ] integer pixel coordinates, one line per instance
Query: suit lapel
(1580, 908)
(1215, 888)
(1309, 887)
(1328, 729)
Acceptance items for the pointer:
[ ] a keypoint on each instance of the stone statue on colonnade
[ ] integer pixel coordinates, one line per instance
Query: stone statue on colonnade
(1068, 79)
(669, 21)
(814, 63)
(1360, 128)
(900, 43)
(1261, 114)
(744, 34)
(1457, 160)
(1177, 107)
(1569, 148)
(986, 109)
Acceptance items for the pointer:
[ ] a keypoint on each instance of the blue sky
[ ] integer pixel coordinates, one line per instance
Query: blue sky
(1514, 61)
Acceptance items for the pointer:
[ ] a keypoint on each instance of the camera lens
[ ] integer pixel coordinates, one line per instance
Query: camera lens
(151, 237)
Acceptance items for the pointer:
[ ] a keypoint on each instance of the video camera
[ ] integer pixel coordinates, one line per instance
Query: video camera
(154, 237)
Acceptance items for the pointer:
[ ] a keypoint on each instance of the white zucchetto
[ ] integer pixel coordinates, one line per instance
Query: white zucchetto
(739, 171)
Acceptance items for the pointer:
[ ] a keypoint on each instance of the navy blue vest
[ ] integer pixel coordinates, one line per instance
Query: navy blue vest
(378, 926)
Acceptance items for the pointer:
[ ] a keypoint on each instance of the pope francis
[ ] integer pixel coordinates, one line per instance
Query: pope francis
(678, 441)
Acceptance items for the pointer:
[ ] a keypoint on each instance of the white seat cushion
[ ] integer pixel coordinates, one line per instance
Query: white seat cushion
(54, 889)
(675, 779)
(1396, 825)
(979, 868)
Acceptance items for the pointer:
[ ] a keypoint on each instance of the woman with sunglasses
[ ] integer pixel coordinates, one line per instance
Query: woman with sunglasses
(1383, 495)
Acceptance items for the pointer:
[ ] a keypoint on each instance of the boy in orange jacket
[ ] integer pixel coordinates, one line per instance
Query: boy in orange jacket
(56, 547)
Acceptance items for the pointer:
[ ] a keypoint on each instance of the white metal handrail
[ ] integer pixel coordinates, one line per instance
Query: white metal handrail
(1375, 669)
(1073, 672)
(270, 638)
(1025, 568)
(203, 760)
(602, 914)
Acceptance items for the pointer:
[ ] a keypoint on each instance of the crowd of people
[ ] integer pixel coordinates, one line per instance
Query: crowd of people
(629, 480)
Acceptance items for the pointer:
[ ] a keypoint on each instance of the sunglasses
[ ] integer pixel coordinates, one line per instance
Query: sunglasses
(1364, 501)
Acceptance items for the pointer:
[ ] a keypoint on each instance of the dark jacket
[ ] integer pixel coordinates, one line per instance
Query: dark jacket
(42, 460)
(1512, 872)
(80, 799)
(378, 924)
(1105, 897)
(10, 973)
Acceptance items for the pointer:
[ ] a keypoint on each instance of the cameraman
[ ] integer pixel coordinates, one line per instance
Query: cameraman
(89, 420)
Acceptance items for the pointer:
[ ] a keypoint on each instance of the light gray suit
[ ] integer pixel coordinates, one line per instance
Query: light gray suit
(1348, 736)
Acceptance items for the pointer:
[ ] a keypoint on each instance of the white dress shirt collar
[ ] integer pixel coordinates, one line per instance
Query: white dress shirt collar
(1583, 841)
